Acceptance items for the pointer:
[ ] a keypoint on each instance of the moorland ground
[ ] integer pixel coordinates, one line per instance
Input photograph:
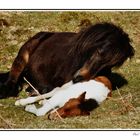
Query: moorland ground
(121, 111)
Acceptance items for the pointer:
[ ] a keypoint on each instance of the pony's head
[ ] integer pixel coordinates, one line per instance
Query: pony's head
(102, 46)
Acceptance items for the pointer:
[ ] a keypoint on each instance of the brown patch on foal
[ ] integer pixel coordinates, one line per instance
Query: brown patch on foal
(106, 82)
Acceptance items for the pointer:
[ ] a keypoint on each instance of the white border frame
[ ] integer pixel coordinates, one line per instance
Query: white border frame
(70, 4)
(69, 135)
(65, 5)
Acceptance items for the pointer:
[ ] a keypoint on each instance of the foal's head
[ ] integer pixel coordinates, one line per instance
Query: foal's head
(71, 108)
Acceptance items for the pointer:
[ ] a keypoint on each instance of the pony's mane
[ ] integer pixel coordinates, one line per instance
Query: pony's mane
(102, 35)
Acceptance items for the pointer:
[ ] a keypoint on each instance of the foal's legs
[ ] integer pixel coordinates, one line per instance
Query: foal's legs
(50, 104)
(30, 100)
(55, 101)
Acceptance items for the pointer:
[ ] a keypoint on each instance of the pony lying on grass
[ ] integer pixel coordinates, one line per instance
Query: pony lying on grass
(51, 59)
(89, 94)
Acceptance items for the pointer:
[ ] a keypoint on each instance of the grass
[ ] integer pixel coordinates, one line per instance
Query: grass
(17, 27)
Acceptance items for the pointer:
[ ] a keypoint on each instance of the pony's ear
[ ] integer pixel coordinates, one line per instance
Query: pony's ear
(81, 98)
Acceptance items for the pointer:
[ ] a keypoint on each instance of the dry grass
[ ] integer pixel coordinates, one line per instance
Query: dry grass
(120, 111)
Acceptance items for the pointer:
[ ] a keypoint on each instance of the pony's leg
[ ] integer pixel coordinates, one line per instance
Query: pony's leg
(31, 100)
(23, 56)
(10, 87)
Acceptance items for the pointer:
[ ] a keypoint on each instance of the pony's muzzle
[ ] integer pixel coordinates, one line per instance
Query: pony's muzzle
(81, 75)
(78, 78)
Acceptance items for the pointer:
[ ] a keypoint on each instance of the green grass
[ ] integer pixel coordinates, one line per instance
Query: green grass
(111, 114)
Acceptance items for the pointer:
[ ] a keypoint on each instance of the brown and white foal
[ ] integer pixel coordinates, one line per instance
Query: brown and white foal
(71, 99)
(81, 106)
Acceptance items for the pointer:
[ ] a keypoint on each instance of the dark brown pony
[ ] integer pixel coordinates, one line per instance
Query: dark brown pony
(50, 59)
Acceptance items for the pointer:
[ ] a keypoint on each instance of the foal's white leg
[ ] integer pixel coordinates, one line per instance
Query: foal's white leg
(31, 108)
(26, 101)
(49, 105)
(31, 100)
(57, 100)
